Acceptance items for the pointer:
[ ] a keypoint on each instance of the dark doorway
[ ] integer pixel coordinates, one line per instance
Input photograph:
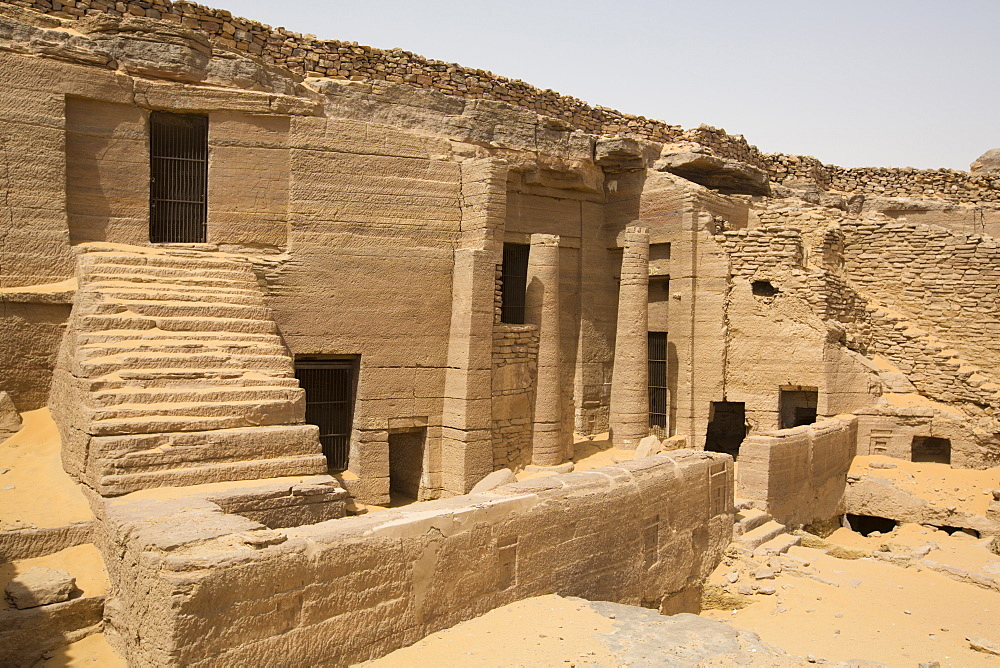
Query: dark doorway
(514, 277)
(726, 427)
(867, 524)
(178, 177)
(797, 406)
(658, 384)
(406, 462)
(329, 386)
(931, 449)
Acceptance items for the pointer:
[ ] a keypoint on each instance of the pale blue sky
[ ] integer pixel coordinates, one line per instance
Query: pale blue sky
(855, 83)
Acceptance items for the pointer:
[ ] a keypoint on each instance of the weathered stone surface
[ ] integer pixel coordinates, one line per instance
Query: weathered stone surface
(10, 419)
(987, 163)
(722, 174)
(648, 446)
(40, 586)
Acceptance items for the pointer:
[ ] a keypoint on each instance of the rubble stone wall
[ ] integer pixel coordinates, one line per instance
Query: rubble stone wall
(935, 278)
(308, 56)
(799, 473)
(228, 591)
(515, 362)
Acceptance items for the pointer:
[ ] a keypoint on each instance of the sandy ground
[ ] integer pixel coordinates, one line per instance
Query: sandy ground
(34, 472)
(841, 609)
(966, 489)
(541, 631)
(588, 453)
(92, 651)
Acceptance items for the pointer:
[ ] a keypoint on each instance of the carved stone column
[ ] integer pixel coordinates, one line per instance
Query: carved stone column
(629, 419)
(542, 309)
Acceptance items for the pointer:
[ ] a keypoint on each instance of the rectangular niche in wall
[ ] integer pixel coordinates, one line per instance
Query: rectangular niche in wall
(406, 462)
(726, 427)
(514, 274)
(178, 177)
(797, 406)
(657, 379)
(931, 449)
(329, 385)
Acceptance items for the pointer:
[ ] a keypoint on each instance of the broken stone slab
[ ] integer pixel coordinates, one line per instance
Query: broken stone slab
(647, 447)
(10, 419)
(40, 586)
(984, 645)
(494, 480)
(730, 177)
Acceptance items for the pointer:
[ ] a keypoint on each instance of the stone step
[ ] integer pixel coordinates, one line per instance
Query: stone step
(240, 443)
(749, 519)
(197, 376)
(756, 537)
(140, 337)
(189, 262)
(171, 309)
(152, 294)
(120, 347)
(180, 285)
(113, 485)
(154, 424)
(140, 361)
(210, 393)
(104, 276)
(181, 382)
(102, 323)
(777, 545)
(743, 504)
(218, 446)
(247, 413)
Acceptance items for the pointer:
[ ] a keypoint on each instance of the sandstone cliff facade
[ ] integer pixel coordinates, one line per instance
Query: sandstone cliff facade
(233, 253)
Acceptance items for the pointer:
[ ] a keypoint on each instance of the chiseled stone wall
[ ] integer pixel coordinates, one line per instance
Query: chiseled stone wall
(799, 473)
(226, 590)
(515, 363)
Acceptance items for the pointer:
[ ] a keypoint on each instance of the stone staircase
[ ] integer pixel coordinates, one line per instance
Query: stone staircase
(931, 365)
(172, 373)
(757, 534)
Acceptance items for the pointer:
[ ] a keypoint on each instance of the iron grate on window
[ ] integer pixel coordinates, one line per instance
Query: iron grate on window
(178, 177)
(657, 342)
(514, 274)
(329, 388)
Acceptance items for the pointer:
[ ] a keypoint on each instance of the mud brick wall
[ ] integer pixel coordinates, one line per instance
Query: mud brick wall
(226, 591)
(515, 363)
(934, 277)
(799, 473)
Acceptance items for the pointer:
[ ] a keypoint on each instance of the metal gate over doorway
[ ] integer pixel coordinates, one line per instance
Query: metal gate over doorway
(178, 177)
(329, 387)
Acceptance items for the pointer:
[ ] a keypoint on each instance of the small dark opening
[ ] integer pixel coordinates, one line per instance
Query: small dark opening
(406, 462)
(514, 277)
(329, 387)
(178, 177)
(763, 289)
(931, 449)
(868, 524)
(797, 407)
(726, 427)
(952, 530)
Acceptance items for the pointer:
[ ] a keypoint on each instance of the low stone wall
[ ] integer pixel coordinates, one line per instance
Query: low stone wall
(515, 363)
(194, 586)
(799, 474)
